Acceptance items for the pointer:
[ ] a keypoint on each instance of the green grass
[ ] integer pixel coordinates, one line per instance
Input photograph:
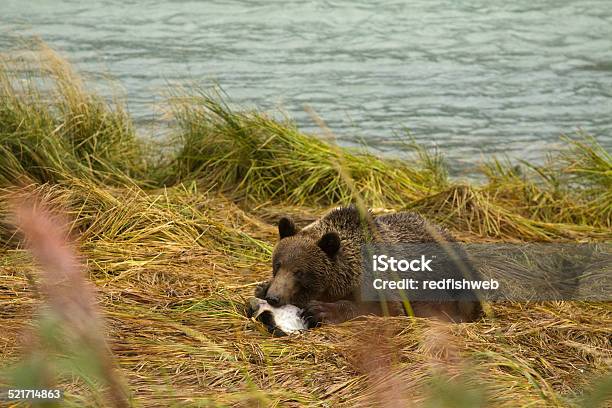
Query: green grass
(574, 186)
(175, 239)
(51, 127)
(264, 159)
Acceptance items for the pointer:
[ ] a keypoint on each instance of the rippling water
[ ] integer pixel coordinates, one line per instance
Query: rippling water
(473, 77)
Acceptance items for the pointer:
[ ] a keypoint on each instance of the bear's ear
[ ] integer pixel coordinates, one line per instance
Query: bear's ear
(286, 227)
(330, 243)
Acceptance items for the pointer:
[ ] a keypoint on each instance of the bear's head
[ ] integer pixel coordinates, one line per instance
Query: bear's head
(301, 265)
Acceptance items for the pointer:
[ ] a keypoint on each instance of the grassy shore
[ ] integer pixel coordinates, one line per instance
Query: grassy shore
(175, 239)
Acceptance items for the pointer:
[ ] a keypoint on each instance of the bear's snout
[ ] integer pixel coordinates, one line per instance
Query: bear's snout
(281, 290)
(273, 300)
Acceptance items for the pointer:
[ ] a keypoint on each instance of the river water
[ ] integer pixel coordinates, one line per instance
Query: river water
(473, 77)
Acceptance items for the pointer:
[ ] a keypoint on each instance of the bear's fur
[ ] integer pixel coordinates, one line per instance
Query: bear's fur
(319, 267)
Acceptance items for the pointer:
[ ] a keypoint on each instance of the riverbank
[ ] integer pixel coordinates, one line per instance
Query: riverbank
(175, 237)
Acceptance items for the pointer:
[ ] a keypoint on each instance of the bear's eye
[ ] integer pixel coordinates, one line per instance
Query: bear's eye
(276, 266)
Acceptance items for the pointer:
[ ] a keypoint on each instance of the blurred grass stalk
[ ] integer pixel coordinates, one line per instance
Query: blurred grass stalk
(71, 326)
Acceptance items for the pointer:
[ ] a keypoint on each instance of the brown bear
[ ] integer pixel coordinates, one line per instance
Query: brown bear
(319, 268)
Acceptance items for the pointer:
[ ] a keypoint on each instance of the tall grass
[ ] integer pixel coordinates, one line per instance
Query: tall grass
(174, 249)
(51, 126)
(250, 155)
(264, 159)
(574, 186)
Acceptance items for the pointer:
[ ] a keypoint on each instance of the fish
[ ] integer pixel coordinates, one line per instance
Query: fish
(279, 321)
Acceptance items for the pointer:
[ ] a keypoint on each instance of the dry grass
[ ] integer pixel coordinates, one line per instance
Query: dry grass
(173, 264)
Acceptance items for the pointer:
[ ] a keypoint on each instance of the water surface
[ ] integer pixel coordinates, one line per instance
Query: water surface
(473, 77)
